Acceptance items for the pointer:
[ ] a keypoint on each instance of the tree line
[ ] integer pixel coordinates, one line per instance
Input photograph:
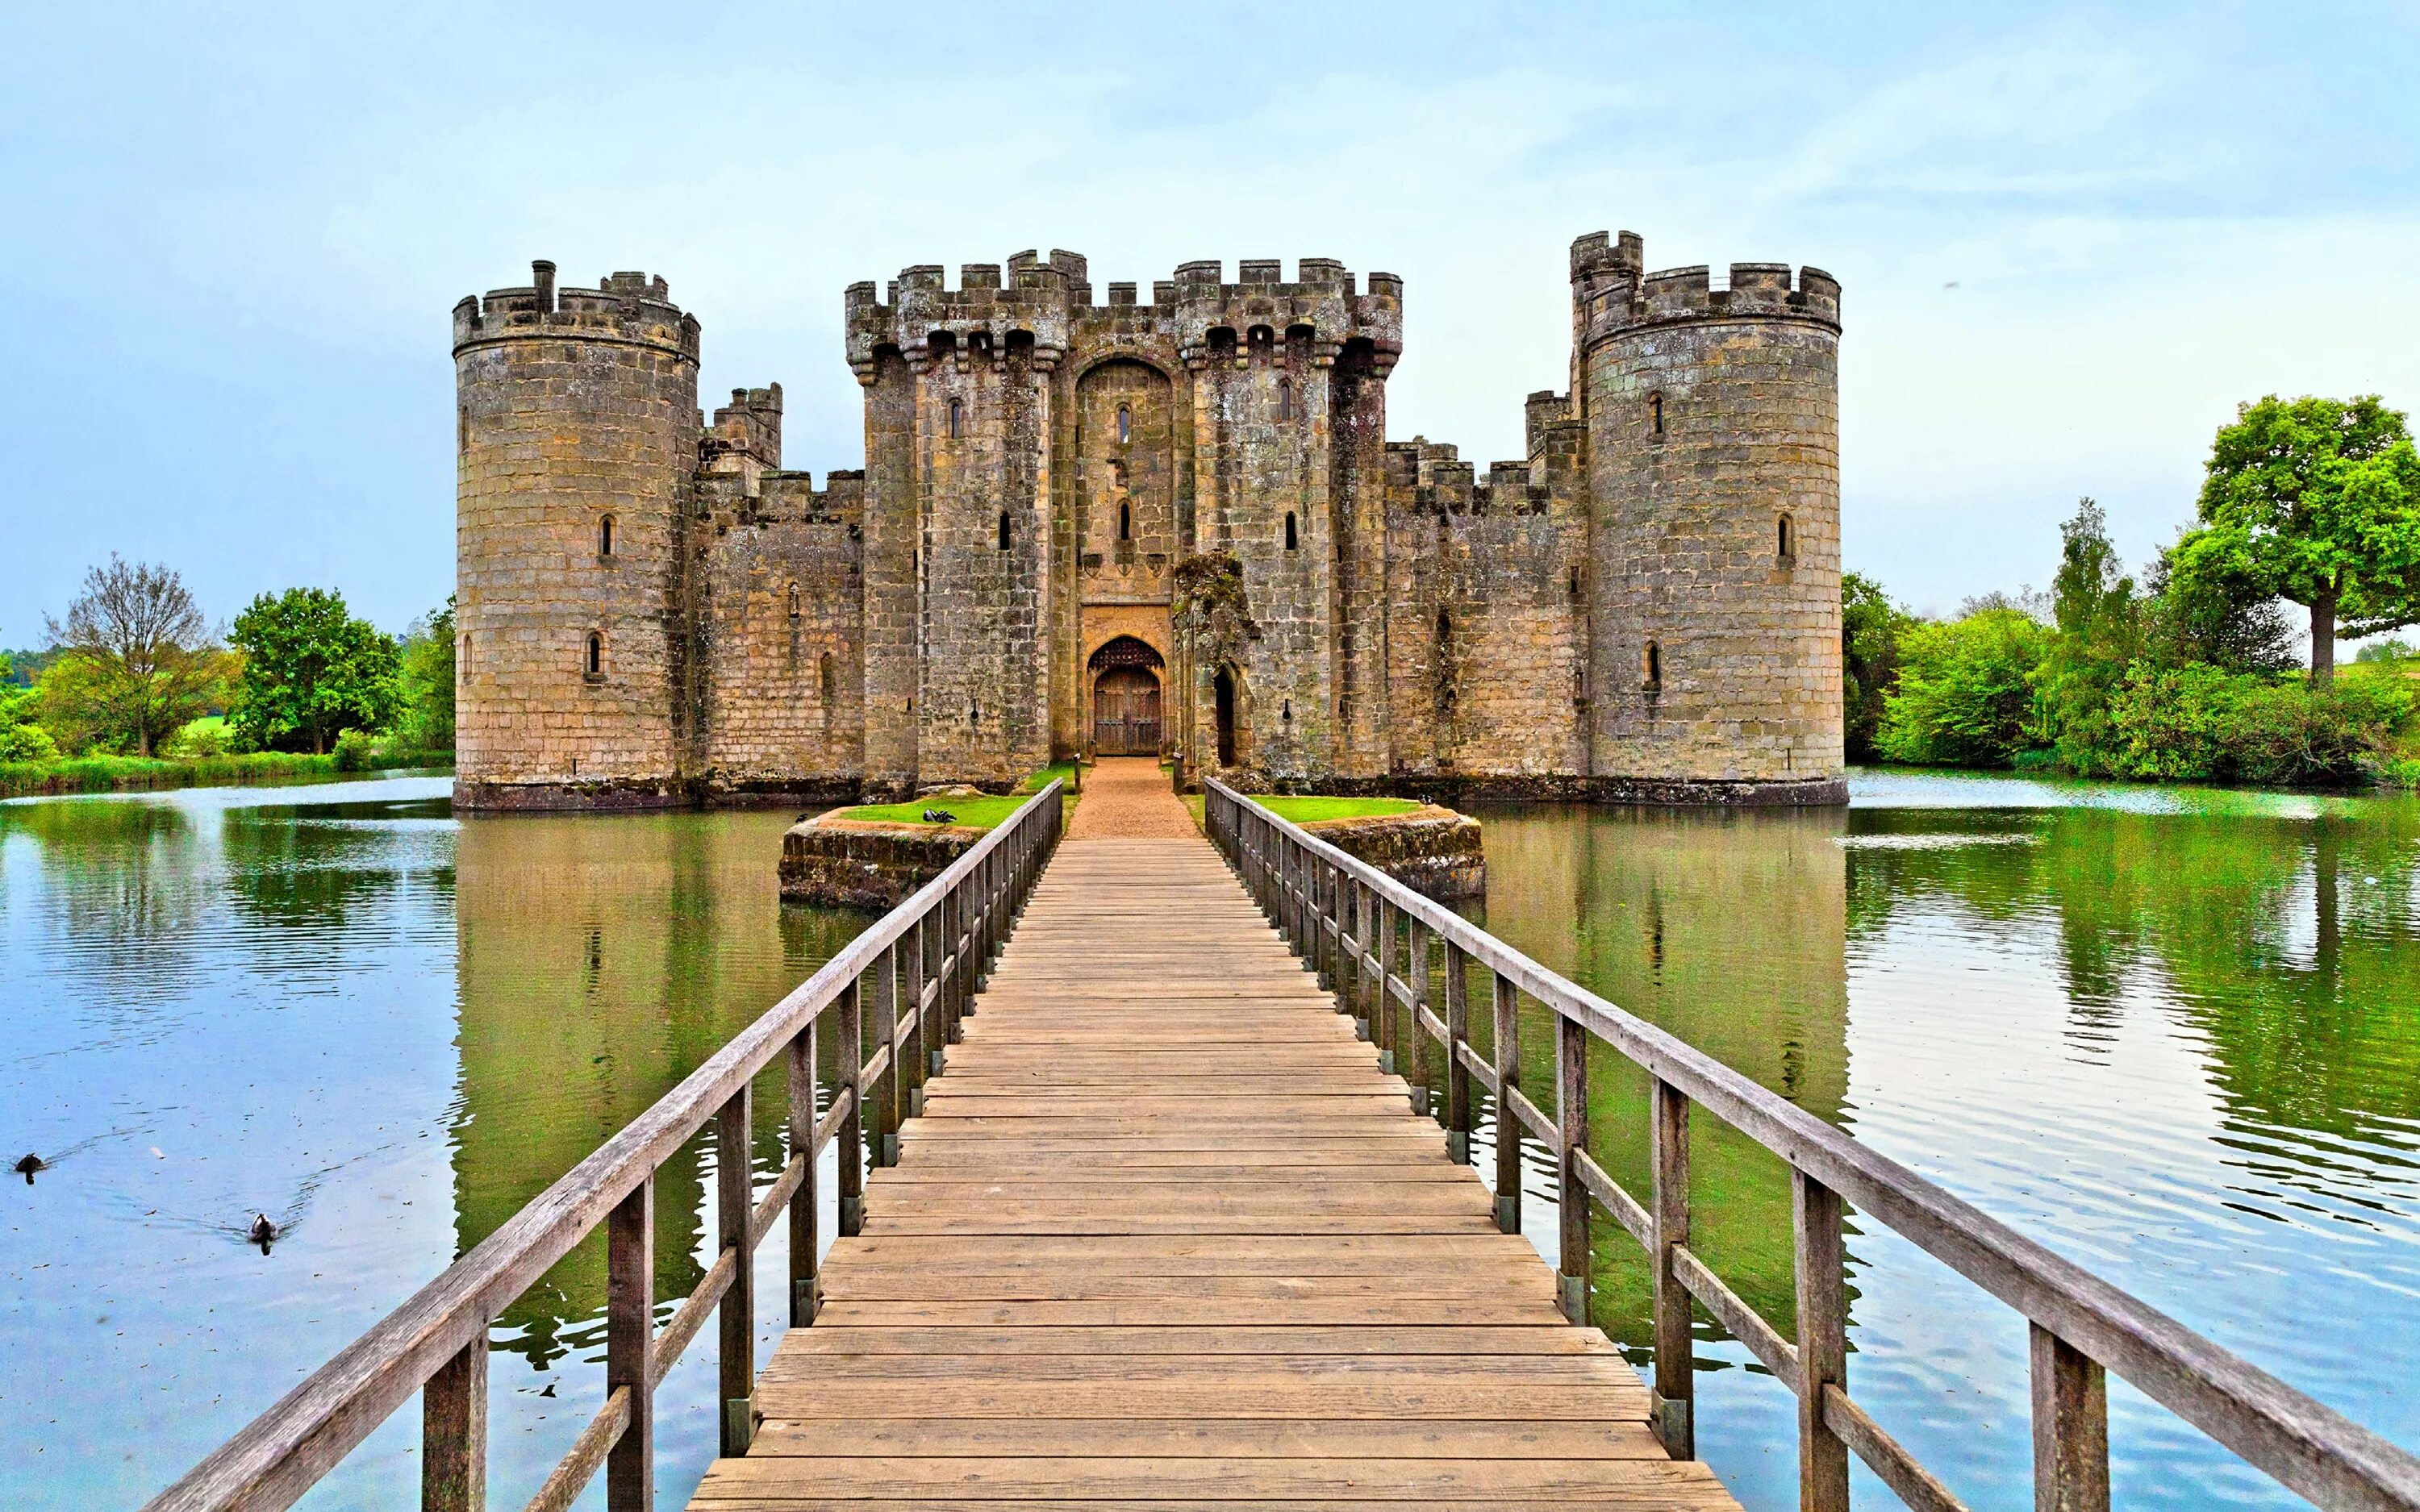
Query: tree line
(135, 669)
(2189, 671)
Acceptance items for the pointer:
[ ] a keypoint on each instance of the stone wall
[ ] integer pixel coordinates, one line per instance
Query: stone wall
(1714, 447)
(576, 408)
(1037, 465)
(783, 638)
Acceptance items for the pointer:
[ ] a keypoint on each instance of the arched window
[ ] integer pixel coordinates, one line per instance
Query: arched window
(1285, 398)
(596, 655)
(1656, 414)
(1003, 530)
(1125, 424)
(1292, 540)
(1785, 541)
(605, 535)
(957, 418)
(1125, 523)
(1652, 679)
(794, 600)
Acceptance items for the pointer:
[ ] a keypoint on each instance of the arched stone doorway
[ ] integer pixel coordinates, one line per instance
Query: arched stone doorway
(1125, 676)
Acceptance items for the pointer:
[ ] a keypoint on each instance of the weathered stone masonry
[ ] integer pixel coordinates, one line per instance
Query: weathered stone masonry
(1646, 608)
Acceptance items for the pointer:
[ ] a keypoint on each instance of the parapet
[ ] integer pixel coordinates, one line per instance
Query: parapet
(994, 302)
(750, 426)
(626, 308)
(1612, 291)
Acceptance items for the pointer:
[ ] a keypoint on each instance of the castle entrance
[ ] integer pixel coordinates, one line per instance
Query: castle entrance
(1125, 698)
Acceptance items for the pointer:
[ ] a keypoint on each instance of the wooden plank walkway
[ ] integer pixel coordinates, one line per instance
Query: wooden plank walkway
(1165, 1236)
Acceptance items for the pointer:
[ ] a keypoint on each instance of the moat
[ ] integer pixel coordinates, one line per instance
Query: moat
(2175, 1035)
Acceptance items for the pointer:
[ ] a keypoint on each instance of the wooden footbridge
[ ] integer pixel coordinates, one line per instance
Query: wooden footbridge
(1170, 1231)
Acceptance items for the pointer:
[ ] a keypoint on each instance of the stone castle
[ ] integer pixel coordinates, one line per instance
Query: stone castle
(1173, 527)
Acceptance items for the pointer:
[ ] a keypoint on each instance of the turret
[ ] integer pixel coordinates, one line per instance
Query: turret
(1713, 433)
(577, 443)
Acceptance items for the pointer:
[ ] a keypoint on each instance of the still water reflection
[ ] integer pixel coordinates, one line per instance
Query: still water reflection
(2174, 1035)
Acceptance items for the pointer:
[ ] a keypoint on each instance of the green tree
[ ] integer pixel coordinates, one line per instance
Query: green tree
(2220, 619)
(311, 670)
(134, 661)
(2317, 500)
(427, 722)
(1870, 627)
(2100, 624)
(1965, 692)
(21, 738)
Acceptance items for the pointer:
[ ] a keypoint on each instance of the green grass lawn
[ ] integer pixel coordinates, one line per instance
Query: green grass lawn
(1310, 810)
(974, 813)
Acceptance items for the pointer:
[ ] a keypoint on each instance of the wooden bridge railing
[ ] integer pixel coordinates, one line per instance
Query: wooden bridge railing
(919, 960)
(1374, 941)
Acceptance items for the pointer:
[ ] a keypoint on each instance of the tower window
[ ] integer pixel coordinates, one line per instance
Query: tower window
(1656, 414)
(828, 685)
(794, 600)
(1003, 530)
(595, 655)
(1652, 679)
(1293, 541)
(462, 430)
(1125, 424)
(605, 535)
(957, 419)
(1285, 398)
(1125, 523)
(1785, 541)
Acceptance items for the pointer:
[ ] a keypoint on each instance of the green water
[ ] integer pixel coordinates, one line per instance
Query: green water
(2175, 1036)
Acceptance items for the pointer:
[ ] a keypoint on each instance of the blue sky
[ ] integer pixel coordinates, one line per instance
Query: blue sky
(2071, 238)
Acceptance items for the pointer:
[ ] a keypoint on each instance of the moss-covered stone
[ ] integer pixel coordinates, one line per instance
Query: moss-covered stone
(854, 863)
(1435, 852)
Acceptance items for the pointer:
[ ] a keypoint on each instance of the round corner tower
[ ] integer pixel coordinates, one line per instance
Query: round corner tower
(577, 439)
(1714, 471)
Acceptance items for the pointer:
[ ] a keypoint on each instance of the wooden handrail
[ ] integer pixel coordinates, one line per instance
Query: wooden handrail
(2089, 1325)
(284, 1452)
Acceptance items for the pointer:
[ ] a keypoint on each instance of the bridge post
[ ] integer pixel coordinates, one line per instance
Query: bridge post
(847, 1061)
(734, 1136)
(1383, 1027)
(1675, 1400)
(1457, 1035)
(1571, 1137)
(629, 1347)
(801, 1059)
(2071, 1402)
(1823, 1343)
(453, 1432)
(918, 1064)
(1416, 975)
(1508, 1123)
(883, 1133)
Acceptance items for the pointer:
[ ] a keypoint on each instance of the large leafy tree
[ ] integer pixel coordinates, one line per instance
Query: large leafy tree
(134, 661)
(427, 722)
(2099, 622)
(1870, 627)
(2316, 500)
(311, 670)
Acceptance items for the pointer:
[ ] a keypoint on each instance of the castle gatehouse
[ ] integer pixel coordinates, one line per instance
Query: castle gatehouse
(1172, 526)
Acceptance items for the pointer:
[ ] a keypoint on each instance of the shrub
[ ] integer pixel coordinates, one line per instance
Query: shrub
(357, 750)
(2174, 724)
(1965, 691)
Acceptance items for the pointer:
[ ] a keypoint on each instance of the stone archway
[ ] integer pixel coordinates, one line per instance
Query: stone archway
(1125, 674)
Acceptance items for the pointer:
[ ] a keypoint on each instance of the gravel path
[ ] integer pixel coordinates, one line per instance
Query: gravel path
(1129, 797)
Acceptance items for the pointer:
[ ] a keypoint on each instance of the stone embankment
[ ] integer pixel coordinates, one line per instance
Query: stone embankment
(865, 863)
(1433, 851)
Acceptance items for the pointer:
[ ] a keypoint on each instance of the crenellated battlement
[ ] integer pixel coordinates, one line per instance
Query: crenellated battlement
(749, 427)
(1031, 299)
(627, 308)
(1612, 292)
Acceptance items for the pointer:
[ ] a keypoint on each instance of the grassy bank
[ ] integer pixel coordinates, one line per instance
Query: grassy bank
(135, 774)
